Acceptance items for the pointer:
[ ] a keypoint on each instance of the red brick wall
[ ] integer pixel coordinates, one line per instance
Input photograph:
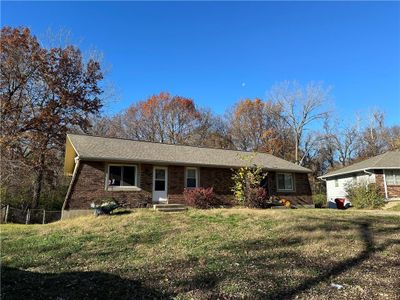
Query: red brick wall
(302, 193)
(176, 184)
(392, 190)
(90, 180)
(220, 179)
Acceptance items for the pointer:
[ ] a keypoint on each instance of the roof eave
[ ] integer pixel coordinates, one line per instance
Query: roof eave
(113, 159)
(355, 171)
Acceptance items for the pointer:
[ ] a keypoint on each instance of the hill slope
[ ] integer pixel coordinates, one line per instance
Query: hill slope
(230, 253)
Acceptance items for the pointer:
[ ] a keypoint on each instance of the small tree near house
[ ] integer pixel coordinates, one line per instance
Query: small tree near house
(246, 188)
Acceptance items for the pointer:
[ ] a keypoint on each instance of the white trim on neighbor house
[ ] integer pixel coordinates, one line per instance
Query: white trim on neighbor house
(356, 171)
(197, 177)
(293, 189)
(385, 185)
(336, 185)
(156, 194)
(134, 187)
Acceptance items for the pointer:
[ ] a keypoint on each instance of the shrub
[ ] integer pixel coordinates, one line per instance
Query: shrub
(319, 200)
(364, 195)
(245, 179)
(256, 198)
(201, 197)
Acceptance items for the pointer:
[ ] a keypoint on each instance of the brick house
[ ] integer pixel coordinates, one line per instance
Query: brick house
(136, 173)
(383, 170)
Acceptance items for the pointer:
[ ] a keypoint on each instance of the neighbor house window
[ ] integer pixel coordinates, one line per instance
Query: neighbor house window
(392, 177)
(191, 178)
(336, 182)
(121, 176)
(285, 181)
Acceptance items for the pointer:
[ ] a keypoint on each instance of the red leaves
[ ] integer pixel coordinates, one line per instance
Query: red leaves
(44, 93)
(163, 118)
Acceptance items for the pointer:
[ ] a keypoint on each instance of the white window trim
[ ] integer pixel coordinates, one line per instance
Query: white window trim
(197, 177)
(391, 173)
(293, 182)
(122, 188)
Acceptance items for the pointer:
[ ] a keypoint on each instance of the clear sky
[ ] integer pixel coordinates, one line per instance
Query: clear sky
(219, 52)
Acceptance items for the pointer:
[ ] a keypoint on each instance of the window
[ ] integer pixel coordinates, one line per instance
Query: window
(159, 179)
(121, 176)
(285, 181)
(336, 182)
(191, 178)
(392, 177)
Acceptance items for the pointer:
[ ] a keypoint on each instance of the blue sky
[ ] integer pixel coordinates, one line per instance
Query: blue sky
(219, 52)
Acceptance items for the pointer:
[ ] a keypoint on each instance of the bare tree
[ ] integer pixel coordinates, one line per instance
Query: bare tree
(372, 141)
(347, 143)
(300, 107)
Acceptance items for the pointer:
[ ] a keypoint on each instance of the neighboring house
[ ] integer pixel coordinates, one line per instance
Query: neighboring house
(384, 170)
(136, 172)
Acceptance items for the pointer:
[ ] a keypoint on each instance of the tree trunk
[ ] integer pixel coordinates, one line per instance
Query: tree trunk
(38, 182)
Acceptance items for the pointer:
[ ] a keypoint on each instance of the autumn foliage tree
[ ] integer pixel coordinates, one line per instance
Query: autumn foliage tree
(256, 125)
(166, 118)
(44, 93)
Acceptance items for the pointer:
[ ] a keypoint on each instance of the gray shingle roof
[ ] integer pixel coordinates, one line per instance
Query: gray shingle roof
(388, 160)
(115, 149)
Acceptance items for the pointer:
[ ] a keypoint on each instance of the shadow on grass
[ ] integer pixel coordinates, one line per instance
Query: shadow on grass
(278, 274)
(272, 265)
(121, 212)
(19, 284)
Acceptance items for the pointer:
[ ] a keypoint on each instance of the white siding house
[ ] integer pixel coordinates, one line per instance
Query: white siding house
(383, 170)
(336, 186)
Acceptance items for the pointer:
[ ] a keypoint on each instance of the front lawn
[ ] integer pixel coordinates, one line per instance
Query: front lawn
(225, 253)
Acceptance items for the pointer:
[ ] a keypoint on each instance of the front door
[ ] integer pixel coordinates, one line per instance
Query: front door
(160, 182)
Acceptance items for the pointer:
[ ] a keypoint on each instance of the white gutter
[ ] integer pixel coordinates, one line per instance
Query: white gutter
(369, 173)
(358, 170)
(385, 185)
(70, 184)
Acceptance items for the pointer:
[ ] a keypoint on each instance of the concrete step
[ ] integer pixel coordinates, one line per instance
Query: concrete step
(169, 207)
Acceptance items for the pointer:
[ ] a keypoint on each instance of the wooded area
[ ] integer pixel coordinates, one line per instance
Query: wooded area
(47, 92)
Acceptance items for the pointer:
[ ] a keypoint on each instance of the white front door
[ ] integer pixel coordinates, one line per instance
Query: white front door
(160, 183)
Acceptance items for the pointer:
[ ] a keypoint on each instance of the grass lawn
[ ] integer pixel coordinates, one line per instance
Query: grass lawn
(395, 208)
(221, 253)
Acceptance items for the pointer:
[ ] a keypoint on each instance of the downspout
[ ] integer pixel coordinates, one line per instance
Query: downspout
(385, 185)
(384, 182)
(368, 172)
(70, 185)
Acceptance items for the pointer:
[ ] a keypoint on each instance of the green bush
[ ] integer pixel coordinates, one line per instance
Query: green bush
(364, 195)
(319, 200)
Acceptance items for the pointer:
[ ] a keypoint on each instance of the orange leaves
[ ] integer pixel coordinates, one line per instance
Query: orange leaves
(163, 117)
(249, 107)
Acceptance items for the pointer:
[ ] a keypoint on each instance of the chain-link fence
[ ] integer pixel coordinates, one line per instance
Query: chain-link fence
(29, 216)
